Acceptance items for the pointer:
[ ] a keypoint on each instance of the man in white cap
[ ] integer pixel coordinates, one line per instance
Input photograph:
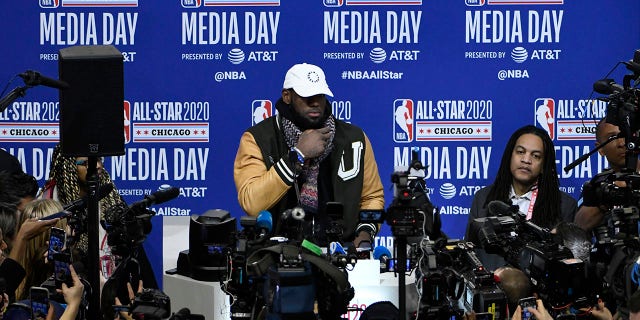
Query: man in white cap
(304, 157)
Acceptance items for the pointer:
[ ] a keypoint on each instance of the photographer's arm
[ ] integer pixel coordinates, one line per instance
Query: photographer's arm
(588, 217)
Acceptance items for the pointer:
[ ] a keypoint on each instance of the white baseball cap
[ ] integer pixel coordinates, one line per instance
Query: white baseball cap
(306, 80)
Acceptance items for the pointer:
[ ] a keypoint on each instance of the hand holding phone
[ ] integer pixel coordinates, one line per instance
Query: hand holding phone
(61, 271)
(57, 241)
(526, 303)
(39, 297)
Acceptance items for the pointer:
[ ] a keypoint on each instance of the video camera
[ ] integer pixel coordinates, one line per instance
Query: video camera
(452, 280)
(559, 278)
(128, 227)
(411, 213)
(617, 245)
(267, 271)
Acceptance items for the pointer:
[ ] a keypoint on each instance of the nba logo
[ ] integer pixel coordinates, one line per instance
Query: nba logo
(403, 120)
(49, 3)
(545, 109)
(127, 121)
(261, 109)
(332, 3)
(191, 3)
(474, 3)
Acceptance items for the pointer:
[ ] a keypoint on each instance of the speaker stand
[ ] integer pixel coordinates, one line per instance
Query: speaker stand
(93, 216)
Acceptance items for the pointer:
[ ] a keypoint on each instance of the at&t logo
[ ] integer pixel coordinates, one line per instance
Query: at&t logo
(545, 109)
(403, 120)
(261, 109)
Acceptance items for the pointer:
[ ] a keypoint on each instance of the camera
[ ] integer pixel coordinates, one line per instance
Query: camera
(558, 276)
(452, 281)
(282, 278)
(411, 213)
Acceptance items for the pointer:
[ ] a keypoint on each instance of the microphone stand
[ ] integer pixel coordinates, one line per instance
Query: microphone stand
(12, 96)
(93, 261)
(400, 267)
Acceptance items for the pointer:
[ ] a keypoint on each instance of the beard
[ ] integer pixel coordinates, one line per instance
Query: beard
(304, 123)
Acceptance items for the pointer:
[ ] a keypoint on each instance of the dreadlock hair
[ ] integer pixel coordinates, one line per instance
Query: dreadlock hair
(64, 175)
(546, 210)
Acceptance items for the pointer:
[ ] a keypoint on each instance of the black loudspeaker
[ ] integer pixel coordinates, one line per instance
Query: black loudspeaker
(92, 108)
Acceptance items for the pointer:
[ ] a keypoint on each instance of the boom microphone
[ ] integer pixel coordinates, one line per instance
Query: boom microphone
(158, 197)
(34, 78)
(82, 202)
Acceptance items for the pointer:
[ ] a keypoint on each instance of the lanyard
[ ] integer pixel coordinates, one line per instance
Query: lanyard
(534, 195)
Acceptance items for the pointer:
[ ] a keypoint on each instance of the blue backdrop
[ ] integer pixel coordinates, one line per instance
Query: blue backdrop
(453, 78)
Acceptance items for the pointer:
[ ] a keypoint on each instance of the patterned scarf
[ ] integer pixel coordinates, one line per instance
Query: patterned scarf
(309, 173)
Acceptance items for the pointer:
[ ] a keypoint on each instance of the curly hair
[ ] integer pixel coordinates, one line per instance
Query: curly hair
(545, 213)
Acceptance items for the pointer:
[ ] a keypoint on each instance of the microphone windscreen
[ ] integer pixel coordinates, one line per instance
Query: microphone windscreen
(381, 251)
(336, 248)
(499, 208)
(264, 221)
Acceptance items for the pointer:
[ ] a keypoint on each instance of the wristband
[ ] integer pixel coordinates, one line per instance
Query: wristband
(299, 155)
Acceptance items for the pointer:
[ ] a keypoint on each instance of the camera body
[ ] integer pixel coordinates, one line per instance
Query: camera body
(151, 304)
(558, 276)
(452, 281)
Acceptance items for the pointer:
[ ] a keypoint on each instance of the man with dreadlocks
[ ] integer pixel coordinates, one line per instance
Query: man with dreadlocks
(305, 157)
(528, 178)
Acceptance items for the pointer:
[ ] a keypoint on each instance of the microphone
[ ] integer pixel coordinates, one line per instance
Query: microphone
(34, 78)
(81, 203)
(158, 197)
(607, 86)
(499, 208)
(264, 223)
(336, 248)
(384, 255)
(62, 215)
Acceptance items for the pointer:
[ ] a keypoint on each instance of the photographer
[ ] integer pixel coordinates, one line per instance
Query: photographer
(528, 178)
(591, 211)
(10, 268)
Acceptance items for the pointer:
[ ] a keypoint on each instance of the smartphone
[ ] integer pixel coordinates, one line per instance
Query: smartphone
(484, 316)
(39, 302)
(61, 272)
(57, 241)
(524, 304)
